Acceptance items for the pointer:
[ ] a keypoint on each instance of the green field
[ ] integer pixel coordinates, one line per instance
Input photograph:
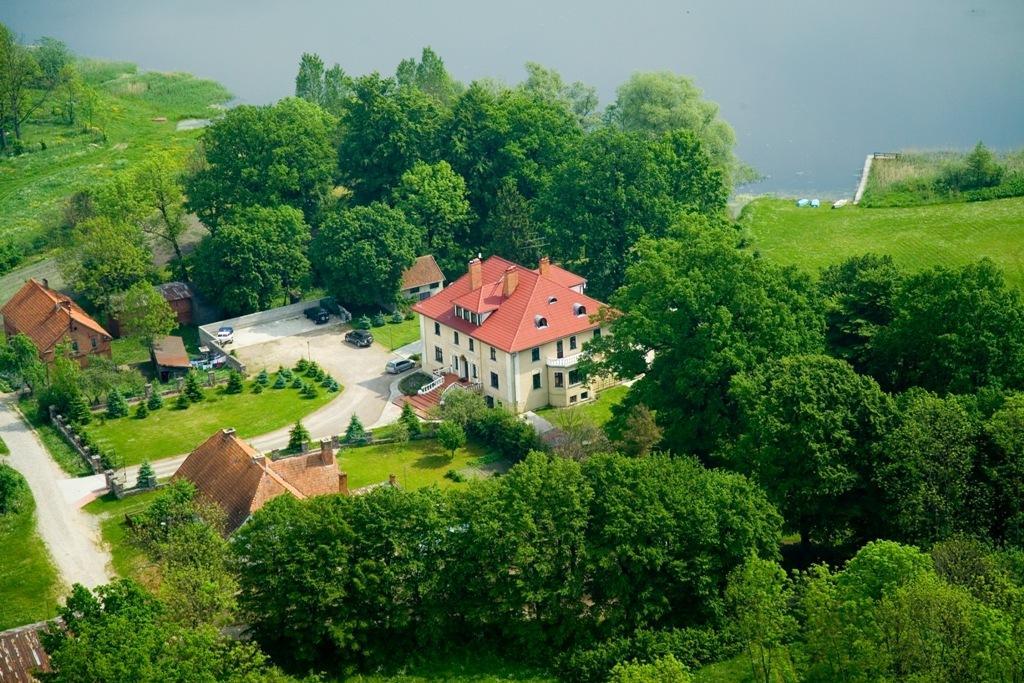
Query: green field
(34, 186)
(916, 237)
(128, 560)
(598, 411)
(415, 463)
(59, 449)
(393, 336)
(169, 431)
(29, 586)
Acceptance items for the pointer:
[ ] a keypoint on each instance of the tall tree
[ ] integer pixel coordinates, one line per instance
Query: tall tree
(157, 180)
(143, 313)
(513, 230)
(578, 97)
(309, 83)
(255, 257)
(695, 311)
(618, 187)
(430, 76)
(279, 154)
(105, 258)
(954, 330)
(433, 199)
(658, 102)
(361, 253)
(758, 594)
(386, 129)
(810, 426)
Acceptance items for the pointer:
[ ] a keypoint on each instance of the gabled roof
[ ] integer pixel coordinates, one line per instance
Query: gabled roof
(21, 653)
(169, 352)
(174, 291)
(512, 323)
(232, 474)
(45, 316)
(424, 271)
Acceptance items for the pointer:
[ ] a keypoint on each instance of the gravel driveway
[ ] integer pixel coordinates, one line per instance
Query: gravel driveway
(72, 536)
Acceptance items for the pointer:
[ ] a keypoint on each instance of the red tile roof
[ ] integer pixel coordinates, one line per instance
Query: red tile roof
(45, 316)
(424, 271)
(232, 474)
(21, 653)
(512, 324)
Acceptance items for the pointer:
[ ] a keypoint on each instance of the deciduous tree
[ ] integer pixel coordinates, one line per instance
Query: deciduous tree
(143, 313)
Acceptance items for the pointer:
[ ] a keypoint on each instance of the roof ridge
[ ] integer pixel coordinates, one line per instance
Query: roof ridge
(269, 469)
(529, 301)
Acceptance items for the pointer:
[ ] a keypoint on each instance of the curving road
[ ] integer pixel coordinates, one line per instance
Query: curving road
(71, 535)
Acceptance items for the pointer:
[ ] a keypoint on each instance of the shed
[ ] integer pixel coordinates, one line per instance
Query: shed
(179, 296)
(169, 357)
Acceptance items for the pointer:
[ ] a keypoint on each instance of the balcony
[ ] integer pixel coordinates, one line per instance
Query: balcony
(566, 361)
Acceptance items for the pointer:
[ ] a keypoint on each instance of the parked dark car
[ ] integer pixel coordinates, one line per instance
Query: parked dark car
(360, 338)
(317, 314)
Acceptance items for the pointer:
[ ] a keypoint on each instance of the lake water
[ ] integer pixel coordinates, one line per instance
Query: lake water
(810, 87)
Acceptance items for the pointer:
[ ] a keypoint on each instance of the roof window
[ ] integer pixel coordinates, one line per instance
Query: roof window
(540, 321)
(579, 310)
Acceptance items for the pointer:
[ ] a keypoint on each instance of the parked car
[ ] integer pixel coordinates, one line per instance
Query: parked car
(360, 338)
(225, 335)
(399, 365)
(317, 314)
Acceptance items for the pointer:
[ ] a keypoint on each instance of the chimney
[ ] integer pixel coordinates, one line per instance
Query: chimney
(545, 265)
(326, 452)
(511, 281)
(476, 274)
(46, 283)
(343, 483)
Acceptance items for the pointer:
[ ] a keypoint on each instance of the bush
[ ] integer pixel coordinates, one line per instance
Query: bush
(309, 391)
(378, 320)
(297, 437)
(311, 369)
(182, 402)
(257, 388)
(116, 405)
(281, 382)
(156, 401)
(147, 477)
(302, 365)
(506, 433)
(362, 322)
(78, 410)
(455, 476)
(287, 373)
(235, 384)
(451, 435)
(297, 383)
(409, 419)
(396, 318)
(355, 432)
(141, 411)
(263, 379)
(193, 389)
(410, 384)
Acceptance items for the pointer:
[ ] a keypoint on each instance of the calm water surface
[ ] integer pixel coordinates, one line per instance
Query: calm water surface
(809, 86)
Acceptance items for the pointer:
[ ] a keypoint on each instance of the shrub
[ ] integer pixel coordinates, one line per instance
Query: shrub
(156, 401)
(451, 436)
(78, 410)
(297, 437)
(311, 369)
(235, 384)
(141, 410)
(409, 419)
(692, 647)
(193, 389)
(362, 322)
(355, 432)
(182, 402)
(302, 365)
(455, 476)
(257, 388)
(309, 391)
(116, 405)
(331, 385)
(281, 382)
(506, 433)
(297, 383)
(410, 384)
(409, 315)
(147, 477)
(378, 320)
(287, 373)
(396, 318)
(263, 378)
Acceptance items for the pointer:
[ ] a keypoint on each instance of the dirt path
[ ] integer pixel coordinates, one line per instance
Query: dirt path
(71, 535)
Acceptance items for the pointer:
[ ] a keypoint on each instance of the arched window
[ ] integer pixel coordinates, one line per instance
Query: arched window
(552, 299)
(540, 321)
(579, 309)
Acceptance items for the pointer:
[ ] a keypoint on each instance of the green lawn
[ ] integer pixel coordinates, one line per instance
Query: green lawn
(33, 186)
(4, 450)
(466, 666)
(738, 670)
(598, 411)
(168, 431)
(29, 585)
(131, 351)
(415, 463)
(127, 559)
(916, 237)
(393, 336)
(61, 452)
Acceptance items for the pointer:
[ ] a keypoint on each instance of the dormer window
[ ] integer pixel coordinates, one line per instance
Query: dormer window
(579, 310)
(540, 321)
(552, 299)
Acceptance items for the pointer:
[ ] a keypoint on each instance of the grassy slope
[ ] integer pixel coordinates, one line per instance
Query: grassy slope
(127, 559)
(916, 237)
(29, 585)
(168, 431)
(59, 449)
(34, 186)
(598, 411)
(415, 463)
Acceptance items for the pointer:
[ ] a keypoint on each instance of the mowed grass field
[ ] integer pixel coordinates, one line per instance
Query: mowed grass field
(916, 237)
(125, 127)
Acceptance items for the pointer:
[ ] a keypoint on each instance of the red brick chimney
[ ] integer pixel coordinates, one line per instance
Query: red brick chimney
(545, 265)
(511, 281)
(476, 274)
(343, 483)
(326, 452)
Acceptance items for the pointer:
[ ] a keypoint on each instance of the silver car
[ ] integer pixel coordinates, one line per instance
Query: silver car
(397, 367)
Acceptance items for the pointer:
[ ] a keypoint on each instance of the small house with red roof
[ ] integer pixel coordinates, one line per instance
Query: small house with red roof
(230, 473)
(517, 333)
(50, 318)
(423, 279)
